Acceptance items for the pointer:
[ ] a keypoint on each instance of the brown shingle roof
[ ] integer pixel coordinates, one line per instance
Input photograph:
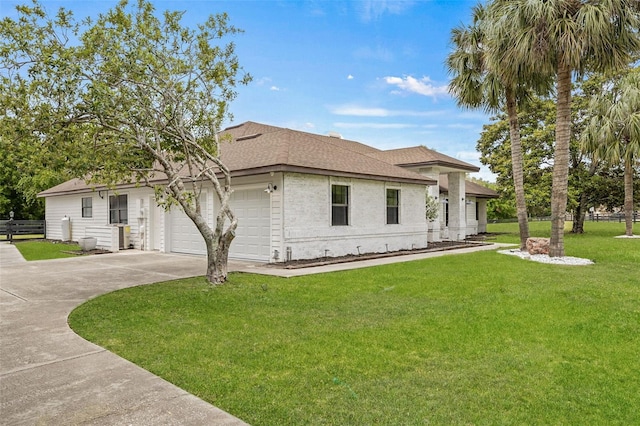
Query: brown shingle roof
(78, 185)
(256, 148)
(471, 188)
(422, 156)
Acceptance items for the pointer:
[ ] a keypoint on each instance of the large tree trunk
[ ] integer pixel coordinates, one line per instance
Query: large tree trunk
(217, 259)
(517, 166)
(561, 160)
(628, 196)
(581, 210)
(579, 215)
(217, 240)
(218, 246)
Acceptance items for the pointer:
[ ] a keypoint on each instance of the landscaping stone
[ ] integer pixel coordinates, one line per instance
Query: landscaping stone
(538, 245)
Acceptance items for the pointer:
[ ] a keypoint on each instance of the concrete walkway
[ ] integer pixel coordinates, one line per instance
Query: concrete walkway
(287, 273)
(51, 376)
(9, 254)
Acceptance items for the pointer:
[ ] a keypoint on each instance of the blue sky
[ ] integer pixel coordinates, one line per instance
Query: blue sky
(371, 70)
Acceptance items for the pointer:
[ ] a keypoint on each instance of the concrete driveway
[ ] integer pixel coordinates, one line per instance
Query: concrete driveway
(51, 376)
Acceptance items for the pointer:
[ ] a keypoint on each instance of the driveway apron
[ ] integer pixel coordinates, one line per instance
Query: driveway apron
(51, 376)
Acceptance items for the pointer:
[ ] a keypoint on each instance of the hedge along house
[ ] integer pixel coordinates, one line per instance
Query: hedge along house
(297, 195)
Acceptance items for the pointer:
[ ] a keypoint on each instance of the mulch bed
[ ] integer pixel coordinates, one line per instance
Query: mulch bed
(88, 252)
(433, 247)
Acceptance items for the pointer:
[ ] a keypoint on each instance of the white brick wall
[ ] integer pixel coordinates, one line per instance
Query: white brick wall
(307, 217)
(472, 222)
(300, 216)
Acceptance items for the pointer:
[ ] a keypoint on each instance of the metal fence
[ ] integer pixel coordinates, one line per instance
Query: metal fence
(24, 228)
(613, 217)
(591, 217)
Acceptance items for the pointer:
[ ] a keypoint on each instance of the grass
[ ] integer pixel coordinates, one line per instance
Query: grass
(22, 237)
(481, 338)
(44, 250)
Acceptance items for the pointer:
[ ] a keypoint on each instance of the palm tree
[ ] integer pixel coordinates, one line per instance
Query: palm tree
(559, 38)
(475, 83)
(613, 133)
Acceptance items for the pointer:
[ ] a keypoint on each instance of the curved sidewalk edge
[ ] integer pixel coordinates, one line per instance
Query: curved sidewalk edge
(50, 375)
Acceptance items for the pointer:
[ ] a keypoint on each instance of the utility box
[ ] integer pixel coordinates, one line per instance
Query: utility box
(66, 228)
(124, 236)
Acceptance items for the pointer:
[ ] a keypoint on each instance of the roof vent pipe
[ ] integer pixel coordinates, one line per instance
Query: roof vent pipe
(333, 134)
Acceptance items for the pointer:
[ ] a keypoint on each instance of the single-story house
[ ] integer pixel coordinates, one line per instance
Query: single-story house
(297, 195)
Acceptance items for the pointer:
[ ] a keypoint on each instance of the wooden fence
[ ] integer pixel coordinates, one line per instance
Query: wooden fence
(26, 228)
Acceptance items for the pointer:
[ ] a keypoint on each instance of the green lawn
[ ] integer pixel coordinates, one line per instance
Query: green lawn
(44, 250)
(22, 237)
(481, 338)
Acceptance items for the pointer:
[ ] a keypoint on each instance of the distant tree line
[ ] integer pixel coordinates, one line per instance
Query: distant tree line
(517, 52)
(592, 182)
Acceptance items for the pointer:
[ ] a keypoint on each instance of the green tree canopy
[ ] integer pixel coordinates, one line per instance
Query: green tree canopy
(592, 183)
(613, 131)
(131, 95)
(561, 38)
(479, 81)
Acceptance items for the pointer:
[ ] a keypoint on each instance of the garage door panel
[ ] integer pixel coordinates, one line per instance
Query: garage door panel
(184, 236)
(252, 241)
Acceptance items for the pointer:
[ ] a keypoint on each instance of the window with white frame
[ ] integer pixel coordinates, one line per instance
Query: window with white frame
(339, 205)
(118, 212)
(393, 206)
(87, 207)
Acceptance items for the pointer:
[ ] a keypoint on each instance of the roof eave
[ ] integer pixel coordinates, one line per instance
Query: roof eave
(482, 195)
(324, 172)
(252, 172)
(98, 187)
(441, 163)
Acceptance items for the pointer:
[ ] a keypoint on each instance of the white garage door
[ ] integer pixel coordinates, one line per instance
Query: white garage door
(185, 237)
(252, 239)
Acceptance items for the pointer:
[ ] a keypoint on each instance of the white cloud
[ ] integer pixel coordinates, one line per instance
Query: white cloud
(350, 77)
(343, 125)
(423, 86)
(359, 111)
(461, 126)
(372, 10)
(378, 53)
(274, 88)
(262, 81)
(474, 115)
